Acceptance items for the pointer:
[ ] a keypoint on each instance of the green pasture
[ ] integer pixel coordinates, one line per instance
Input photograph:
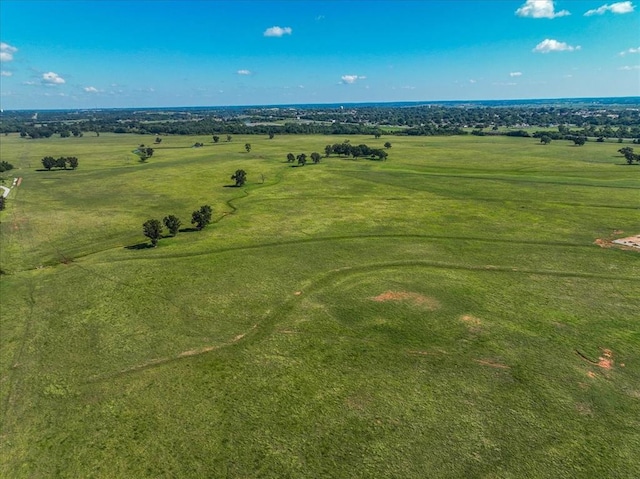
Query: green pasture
(445, 313)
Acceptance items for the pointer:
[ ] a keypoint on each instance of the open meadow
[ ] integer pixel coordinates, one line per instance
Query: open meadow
(444, 313)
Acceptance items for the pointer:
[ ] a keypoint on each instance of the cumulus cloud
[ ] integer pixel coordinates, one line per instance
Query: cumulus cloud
(52, 78)
(540, 9)
(630, 50)
(472, 81)
(618, 7)
(6, 73)
(515, 74)
(243, 72)
(351, 78)
(91, 89)
(277, 31)
(630, 67)
(6, 52)
(549, 45)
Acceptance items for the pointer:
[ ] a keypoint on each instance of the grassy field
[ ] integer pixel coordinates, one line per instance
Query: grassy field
(445, 313)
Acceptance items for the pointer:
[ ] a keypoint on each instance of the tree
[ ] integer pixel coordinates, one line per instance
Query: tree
(48, 162)
(545, 139)
(216, 138)
(579, 140)
(65, 134)
(172, 223)
(158, 140)
(247, 146)
(240, 176)
(152, 229)
(328, 150)
(387, 145)
(271, 135)
(629, 155)
(5, 166)
(315, 157)
(2, 203)
(302, 159)
(290, 158)
(61, 162)
(201, 217)
(73, 162)
(228, 137)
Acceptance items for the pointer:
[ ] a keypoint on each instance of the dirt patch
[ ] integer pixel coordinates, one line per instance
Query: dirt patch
(605, 360)
(298, 293)
(629, 241)
(19, 182)
(415, 298)
(493, 364)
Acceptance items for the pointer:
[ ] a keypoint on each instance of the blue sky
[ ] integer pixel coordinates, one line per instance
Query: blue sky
(98, 54)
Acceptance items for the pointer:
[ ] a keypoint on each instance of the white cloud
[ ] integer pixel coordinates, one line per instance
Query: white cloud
(515, 74)
(472, 81)
(351, 78)
(277, 31)
(504, 83)
(630, 50)
(540, 9)
(629, 68)
(52, 78)
(549, 45)
(6, 74)
(91, 89)
(618, 7)
(243, 72)
(6, 52)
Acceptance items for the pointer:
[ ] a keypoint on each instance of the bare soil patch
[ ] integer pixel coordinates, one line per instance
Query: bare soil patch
(605, 360)
(415, 298)
(629, 241)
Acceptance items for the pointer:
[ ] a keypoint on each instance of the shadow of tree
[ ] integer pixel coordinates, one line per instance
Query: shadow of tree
(139, 246)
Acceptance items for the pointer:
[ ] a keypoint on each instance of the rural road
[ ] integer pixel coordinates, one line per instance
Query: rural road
(5, 191)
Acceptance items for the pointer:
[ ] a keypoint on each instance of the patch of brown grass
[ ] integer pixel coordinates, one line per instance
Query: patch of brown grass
(493, 364)
(415, 298)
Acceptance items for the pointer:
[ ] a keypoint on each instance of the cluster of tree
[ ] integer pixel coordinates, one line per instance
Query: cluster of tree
(5, 166)
(50, 162)
(153, 228)
(144, 152)
(629, 155)
(198, 145)
(302, 158)
(2, 202)
(347, 149)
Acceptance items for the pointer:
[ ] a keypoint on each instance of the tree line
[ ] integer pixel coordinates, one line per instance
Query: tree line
(49, 162)
(153, 228)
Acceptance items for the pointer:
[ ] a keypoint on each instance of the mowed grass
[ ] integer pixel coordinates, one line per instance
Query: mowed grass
(445, 313)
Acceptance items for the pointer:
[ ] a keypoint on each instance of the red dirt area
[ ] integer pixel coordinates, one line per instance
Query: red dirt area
(415, 298)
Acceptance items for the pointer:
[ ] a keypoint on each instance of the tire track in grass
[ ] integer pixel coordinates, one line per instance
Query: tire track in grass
(264, 328)
(302, 241)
